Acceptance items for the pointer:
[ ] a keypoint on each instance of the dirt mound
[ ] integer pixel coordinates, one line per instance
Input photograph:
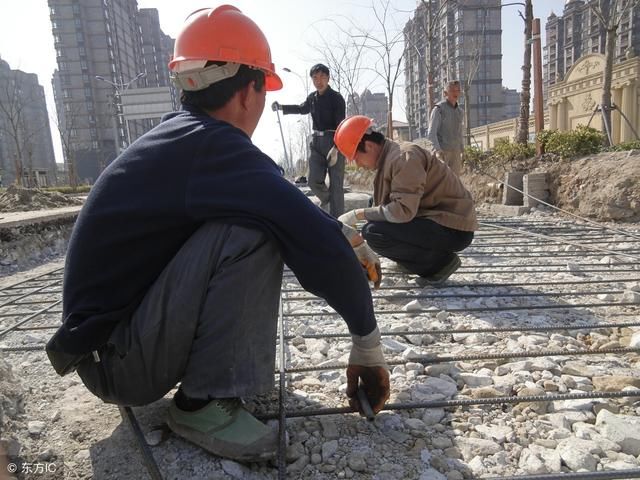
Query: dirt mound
(20, 199)
(604, 187)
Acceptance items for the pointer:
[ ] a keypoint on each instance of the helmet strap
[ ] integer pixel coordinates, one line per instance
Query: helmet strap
(201, 78)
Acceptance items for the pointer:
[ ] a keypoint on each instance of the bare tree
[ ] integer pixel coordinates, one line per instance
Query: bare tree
(610, 13)
(525, 95)
(385, 48)
(388, 51)
(343, 54)
(15, 125)
(429, 27)
(470, 66)
(67, 125)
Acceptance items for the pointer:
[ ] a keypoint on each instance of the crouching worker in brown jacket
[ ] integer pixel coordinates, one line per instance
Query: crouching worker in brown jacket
(422, 214)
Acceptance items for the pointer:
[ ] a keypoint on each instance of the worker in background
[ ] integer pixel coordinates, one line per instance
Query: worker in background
(327, 110)
(175, 263)
(422, 214)
(445, 128)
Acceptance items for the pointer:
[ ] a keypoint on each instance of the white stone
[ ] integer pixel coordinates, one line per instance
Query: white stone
(36, 427)
(433, 416)
(576, 454)
(412, 306)
(494, 432)
(328, 449)
(391, 345)
(621, 429)
(476, 465)
(471, 447)
(431, 474)
(233, 469)
(475, 380)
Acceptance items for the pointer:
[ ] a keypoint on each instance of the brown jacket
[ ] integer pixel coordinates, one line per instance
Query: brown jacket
(410, 182)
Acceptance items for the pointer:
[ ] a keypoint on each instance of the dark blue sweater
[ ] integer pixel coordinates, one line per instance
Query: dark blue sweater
(188, 170)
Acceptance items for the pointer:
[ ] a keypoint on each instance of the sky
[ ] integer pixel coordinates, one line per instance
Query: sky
(294, 28)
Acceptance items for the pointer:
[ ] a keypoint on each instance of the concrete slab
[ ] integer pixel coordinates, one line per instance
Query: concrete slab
(16, 219)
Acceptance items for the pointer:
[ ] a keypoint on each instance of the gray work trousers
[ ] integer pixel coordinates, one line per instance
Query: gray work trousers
(333, 197)
(209, 321)
(452, 158)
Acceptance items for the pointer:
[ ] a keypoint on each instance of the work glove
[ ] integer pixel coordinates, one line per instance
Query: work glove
(332, 156)
(349, 218)
(275, 106)
(367, 369)
(370, 261)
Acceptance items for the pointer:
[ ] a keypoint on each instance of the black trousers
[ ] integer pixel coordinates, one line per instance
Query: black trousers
(421, 246)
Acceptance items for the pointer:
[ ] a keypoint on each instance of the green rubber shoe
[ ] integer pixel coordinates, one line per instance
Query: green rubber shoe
(441, 276)
(226, 429)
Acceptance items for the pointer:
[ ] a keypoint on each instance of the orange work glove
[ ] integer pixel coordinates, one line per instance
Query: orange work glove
(370, 261)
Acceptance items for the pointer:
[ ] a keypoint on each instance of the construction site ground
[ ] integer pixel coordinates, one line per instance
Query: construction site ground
(524, 363)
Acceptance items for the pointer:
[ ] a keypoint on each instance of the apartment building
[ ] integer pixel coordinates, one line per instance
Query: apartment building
(26, 149)
(103, 47)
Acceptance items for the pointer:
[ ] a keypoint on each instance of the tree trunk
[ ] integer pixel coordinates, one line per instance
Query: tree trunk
(18, 165)
(525, 95)
(606, 82)
(73, 179)
(467, 114)
(430, 97)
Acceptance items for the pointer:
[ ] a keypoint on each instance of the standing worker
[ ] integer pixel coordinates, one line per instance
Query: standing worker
(422, 213)
(327, 110)
(445, 128)
(174, 266)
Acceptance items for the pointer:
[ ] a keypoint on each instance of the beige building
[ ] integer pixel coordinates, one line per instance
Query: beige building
(573, 100)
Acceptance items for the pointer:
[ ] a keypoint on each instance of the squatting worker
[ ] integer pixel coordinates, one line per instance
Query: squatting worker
(422, 213)
(445, 128)
(174, 266)
(327, 110)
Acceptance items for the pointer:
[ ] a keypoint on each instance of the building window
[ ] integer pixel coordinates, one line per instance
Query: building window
(78, 23)
(76, 9)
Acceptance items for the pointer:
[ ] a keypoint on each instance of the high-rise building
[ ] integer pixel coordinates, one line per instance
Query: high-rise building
(454, 39)
(579, 32)
(373, 105)
(103, 47)
(26, 149)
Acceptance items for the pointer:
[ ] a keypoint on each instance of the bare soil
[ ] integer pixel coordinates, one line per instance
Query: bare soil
(21, 199)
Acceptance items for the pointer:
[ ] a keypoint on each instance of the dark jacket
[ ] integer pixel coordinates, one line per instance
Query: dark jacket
(327, 110)
(188, 170)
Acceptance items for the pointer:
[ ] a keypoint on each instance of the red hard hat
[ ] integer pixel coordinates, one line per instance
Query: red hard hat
(225, 34)
(349, 134)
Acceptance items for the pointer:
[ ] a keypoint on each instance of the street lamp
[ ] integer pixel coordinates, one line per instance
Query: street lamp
(305, 86)
(117, 105)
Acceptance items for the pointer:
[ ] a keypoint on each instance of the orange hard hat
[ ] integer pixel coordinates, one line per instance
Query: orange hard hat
(223, 34)
(349, 134)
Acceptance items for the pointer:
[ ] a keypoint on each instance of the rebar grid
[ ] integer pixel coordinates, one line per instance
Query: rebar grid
(28, 305)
